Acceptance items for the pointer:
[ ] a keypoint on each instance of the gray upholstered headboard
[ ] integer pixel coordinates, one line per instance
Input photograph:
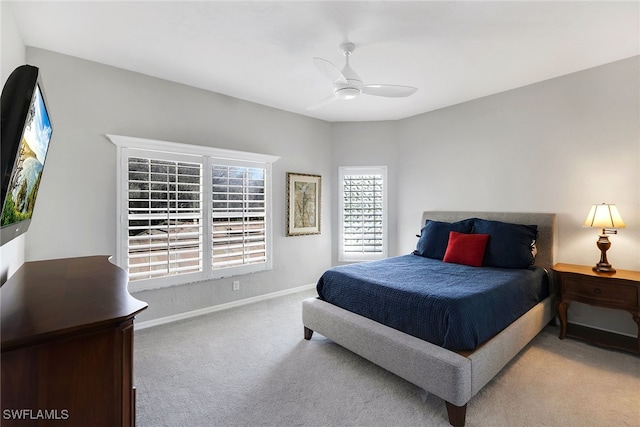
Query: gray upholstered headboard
(546, 222)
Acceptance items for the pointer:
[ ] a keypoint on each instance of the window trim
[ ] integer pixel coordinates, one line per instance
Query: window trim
(362, 170)
(207, 156)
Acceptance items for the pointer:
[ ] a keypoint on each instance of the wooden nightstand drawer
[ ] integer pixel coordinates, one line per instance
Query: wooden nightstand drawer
(586, 289)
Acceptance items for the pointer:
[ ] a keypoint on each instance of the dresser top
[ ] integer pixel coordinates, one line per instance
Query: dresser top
(47, 299)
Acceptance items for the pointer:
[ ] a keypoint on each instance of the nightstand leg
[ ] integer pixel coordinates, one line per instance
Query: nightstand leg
(562, 314)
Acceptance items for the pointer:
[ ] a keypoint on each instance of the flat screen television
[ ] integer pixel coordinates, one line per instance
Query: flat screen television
(26, 132)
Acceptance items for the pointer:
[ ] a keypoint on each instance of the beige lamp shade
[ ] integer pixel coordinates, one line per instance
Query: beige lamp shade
(603, 216)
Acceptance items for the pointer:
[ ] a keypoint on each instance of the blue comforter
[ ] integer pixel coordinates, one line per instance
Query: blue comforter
(450, 305)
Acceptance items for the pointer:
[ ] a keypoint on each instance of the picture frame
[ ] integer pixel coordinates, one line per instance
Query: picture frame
(304, 193)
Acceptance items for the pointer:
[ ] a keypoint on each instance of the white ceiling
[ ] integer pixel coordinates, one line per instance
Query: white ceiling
(262, 51)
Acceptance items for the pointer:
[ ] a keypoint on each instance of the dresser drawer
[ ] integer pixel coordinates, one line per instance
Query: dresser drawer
(585, 289)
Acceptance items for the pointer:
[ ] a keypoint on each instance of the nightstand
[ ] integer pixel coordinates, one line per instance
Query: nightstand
(620, 291)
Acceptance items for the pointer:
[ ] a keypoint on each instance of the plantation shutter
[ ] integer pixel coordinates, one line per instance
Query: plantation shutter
(239, 214)
(190, 213)
(164, 221)
(363, 213)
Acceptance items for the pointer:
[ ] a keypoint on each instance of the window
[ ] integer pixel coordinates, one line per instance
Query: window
(239, 216)
(164, 222)
(190, 213)
(363, 213)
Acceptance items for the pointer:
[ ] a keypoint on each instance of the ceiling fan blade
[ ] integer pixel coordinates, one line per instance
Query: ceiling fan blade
(392, 91)
(329, 70)
(323, 102)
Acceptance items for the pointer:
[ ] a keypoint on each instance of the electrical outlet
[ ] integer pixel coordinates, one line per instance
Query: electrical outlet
(236, 285)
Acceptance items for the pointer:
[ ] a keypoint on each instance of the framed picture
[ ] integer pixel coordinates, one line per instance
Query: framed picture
(303, 204)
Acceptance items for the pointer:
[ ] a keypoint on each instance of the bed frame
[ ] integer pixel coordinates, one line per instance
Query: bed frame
(453, 376)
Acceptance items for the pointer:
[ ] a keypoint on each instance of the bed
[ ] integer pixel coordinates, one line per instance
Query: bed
(453, 374)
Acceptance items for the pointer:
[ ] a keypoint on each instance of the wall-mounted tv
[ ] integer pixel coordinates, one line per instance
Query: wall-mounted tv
(26, 132)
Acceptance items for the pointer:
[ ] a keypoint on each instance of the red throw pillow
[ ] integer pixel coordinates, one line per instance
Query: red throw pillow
(467, 249)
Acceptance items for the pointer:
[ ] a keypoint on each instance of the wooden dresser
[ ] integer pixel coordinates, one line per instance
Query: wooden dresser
(67, 344)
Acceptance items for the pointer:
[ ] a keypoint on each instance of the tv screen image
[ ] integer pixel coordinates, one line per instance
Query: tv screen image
(30, 143)
(25, 178)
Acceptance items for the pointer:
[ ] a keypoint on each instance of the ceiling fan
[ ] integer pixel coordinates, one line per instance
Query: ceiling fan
(348, 85)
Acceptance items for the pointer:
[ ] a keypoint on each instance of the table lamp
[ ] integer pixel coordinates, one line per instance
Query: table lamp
(606, 217)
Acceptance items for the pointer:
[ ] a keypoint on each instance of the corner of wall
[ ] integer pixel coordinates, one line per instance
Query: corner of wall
(12, 254)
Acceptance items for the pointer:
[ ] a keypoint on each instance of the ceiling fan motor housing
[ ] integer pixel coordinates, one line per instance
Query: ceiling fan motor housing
(354, 84)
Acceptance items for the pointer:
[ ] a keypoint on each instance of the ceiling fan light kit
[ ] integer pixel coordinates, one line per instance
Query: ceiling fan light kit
(347, 93)
(348, 85)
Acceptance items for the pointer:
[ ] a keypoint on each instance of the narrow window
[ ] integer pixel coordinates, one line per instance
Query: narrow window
(363, 212)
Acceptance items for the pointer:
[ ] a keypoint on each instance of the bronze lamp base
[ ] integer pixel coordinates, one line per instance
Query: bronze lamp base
(603, 266)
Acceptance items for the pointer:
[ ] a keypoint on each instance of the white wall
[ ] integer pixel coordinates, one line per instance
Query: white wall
(556, 146)
(76, 203)
(366, 144)
(12, 254)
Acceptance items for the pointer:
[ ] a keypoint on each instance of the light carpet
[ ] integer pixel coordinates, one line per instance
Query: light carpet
(250, 366)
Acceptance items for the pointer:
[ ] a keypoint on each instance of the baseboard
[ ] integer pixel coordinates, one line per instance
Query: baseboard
(213, 309)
